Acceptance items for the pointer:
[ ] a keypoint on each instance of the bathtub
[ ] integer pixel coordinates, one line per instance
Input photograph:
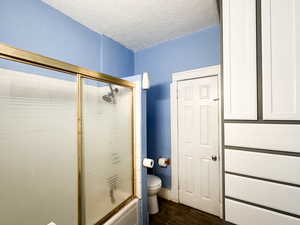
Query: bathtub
(128, 215)
(133, 213)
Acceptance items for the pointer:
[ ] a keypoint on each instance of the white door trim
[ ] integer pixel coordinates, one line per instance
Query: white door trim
(176, 77)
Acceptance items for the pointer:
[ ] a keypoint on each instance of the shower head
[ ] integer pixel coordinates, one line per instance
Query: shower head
(110, 97)
(107, 98)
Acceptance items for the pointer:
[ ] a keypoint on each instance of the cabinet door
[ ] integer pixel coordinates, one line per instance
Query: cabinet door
(281, 59)
(239, 59)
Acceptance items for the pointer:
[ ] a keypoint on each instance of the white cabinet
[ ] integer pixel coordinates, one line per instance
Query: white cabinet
(239, 59)
(281, 59)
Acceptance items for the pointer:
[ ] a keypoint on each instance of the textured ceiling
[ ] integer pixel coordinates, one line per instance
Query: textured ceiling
(140, 24)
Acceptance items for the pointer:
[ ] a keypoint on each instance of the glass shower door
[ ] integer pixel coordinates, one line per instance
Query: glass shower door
(38, 146)
(107, 147)
(66, 142)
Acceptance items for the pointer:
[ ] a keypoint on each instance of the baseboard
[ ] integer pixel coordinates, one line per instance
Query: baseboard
(168, 194)
(165, 193)
(228, 223)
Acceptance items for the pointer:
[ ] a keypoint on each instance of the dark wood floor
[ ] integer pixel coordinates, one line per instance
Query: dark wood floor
(176, 214)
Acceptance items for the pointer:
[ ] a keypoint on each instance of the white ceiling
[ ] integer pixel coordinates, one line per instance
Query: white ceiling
(140, 24)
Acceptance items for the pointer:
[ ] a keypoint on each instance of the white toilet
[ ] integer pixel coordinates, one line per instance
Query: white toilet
(153, 186)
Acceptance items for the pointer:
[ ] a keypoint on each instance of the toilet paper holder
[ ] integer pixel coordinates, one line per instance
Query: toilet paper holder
(163, 162)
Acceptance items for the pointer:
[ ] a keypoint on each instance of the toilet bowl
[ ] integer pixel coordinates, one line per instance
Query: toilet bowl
(153, 187)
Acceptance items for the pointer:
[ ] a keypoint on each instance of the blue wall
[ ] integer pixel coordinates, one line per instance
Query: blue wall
(117, 60)
(35, 26)
(193, 51)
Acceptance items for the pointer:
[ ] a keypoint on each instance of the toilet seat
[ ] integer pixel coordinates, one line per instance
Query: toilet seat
(153, 182)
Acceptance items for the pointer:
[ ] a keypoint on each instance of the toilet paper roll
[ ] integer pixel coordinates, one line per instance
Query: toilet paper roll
(163, 162)
(148, 163)
(52, 223)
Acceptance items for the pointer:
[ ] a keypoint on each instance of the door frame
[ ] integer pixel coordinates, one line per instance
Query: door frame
(177, 77)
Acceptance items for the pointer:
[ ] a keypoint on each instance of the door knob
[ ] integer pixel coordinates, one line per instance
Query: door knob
(214, 158)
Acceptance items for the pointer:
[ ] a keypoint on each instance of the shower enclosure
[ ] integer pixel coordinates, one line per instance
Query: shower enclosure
(66, 142)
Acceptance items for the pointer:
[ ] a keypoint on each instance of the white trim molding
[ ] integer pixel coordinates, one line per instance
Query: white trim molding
(137, 79)
(173, 193)
(165, 193)
(138, 135)
(197, 73)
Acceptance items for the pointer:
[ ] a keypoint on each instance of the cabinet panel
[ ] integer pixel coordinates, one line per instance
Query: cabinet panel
(243, 214)
(239, 59)
(281, 59)
(280, 137)
(277, 196)
(275, 167)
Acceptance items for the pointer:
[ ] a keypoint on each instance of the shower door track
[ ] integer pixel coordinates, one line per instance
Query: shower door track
(14, 54)
(18, 55)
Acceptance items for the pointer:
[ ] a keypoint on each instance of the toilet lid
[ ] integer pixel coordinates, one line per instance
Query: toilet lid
(153, 181)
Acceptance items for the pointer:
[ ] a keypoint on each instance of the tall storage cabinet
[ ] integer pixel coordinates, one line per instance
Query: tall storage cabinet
(239, 61)
(261, 77)
(281, 59)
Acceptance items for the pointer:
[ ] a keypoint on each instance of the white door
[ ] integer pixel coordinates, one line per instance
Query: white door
(198, 133)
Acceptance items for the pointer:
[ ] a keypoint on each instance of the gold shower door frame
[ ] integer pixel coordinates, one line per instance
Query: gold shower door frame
(10, 53)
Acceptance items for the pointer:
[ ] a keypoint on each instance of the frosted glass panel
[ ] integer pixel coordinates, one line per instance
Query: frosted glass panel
(38, 161)
(107, 122)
